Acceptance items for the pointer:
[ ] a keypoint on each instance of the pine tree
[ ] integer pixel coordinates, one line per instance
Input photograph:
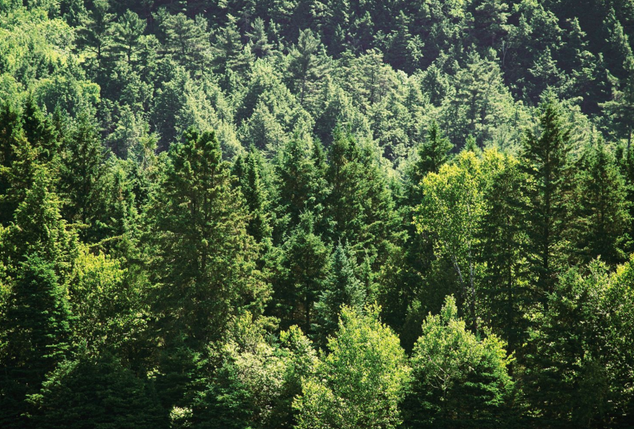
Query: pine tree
(308, 66)
(95, 33)
(127, 34)
(621, 106)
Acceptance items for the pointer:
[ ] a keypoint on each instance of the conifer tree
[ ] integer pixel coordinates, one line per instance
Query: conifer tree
(82, 173)
(18, 162)
(360, 204)
(249, 174)
(342, 287)
(501, 239)
(432, 153)
(308, 66)
(127, 34)
(205, 258)
(305, 262)
(36, 335)
(603, 216)
(300, 184)
(544, 160)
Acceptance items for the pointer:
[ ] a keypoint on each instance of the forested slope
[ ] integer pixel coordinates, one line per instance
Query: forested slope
(316, 214)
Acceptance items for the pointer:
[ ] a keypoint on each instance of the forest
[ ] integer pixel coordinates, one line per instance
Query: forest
(316, 214)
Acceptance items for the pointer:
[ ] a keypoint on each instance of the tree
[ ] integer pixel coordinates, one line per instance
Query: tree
(256, 380)
(95, 32)
(341, 288)
(360, 204)
(621, 106)
(35, 335)
(365, 394)
(300, 184)
(187, 40)
(38, 228)
(18, 162)
(603, 217)
(261, 47)
(573, 364)
(82, 173)
(544, 160)
(458, 380)
(205, 258)
(305, 262)
(501, 239)
(308, 65)
(127, 34)
(451, 209)
(432, 154)
(249, 172)
(93, 392)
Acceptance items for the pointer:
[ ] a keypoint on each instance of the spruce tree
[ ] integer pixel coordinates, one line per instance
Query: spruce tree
(35, 335)
(305, 262)
(82, 172)
(342, 287)
(205, 258)
(501, 239)
(603, 217)
(544, 160)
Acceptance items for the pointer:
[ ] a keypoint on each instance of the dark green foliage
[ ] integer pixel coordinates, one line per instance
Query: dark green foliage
(205, 257)
(82, 171)
(603, 218)
(342, 287)
(249, 173)
(329, 180)
(503, 286)
(571, 365)
(97, 393)
(360, 204)
(36, 335)
(544, 160)
(305, 270)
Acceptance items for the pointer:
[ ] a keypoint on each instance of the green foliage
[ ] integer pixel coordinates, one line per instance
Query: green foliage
(544, 160)
(305, 272)
(577, 366)
(327, 175)
(451, 208)
(365, 394)
(96, 393)
(341, 288)
(257, 379)
(36, 335)
(205, 258)
(458, 379)
(603, 219)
